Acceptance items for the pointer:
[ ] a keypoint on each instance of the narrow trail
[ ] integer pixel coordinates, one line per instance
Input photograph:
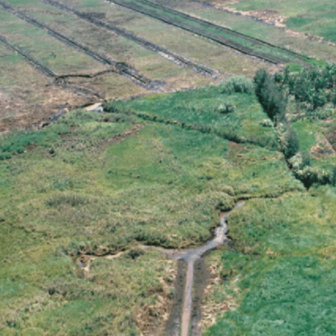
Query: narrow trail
(121, 68)
(163, 52)
(210, 30)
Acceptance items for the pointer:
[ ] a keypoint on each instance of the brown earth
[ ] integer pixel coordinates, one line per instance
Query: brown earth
(26, 107)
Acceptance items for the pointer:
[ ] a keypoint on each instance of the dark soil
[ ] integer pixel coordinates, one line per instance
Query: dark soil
(173, 325)
(201, 277)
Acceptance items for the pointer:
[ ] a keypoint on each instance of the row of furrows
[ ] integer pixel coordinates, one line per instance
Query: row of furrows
(181, 20)
(234, 33)
(46, 71)
(167, 54)
(120, 67)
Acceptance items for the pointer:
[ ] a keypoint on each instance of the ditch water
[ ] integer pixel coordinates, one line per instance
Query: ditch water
(190, 256)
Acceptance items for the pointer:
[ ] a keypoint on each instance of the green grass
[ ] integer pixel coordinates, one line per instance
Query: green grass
(281, 270)
(145, 174)
(200, 109)
(259, 30)
(305, 16)
(75, 187)
(311, 133)
(209, 32)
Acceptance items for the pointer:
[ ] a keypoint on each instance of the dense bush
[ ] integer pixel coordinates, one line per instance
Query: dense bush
(292, 144)
(238, 84)
(314, 87)
(270, 95)
(226, 108)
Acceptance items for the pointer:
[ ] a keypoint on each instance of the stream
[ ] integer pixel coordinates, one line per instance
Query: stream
(190, 256)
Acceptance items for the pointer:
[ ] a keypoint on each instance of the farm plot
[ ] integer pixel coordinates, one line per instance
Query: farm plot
(248, 24)
(207, 52)
(243, 43)
(74, 47)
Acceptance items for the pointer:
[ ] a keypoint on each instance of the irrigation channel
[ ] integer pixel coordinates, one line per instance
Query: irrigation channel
(163, 52)
(181, 322)
(119, 67)
(225, 36)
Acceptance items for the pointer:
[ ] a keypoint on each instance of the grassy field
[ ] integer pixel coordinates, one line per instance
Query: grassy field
(148, 183)
(280, 274)
(63, 58)
(256, 29)
(82, 197)
(305, 16)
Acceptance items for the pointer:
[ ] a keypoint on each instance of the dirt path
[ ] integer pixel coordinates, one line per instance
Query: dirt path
(120, 67)
(163, 52)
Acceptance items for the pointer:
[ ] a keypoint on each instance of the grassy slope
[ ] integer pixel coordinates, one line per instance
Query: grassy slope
(77, 188)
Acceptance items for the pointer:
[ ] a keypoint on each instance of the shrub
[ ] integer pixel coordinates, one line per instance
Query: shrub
(5, 156)
(266, 123)
(292, 144)
(333, 177)
(226, 108)
(270, 95)
(306, 159)
(239, 84)
(67, 199)
(314, 86)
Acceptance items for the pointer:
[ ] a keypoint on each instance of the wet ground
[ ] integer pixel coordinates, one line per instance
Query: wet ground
(185, 313)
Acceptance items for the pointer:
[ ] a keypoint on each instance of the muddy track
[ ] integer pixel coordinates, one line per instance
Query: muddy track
(46, 71)
(191, 256)
(163, 52)
(205, 29)
(120, 67)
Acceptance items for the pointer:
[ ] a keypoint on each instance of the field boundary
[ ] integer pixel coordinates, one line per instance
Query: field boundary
(121, 68)
(48, 72)
(161, 51)
(31, 59)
